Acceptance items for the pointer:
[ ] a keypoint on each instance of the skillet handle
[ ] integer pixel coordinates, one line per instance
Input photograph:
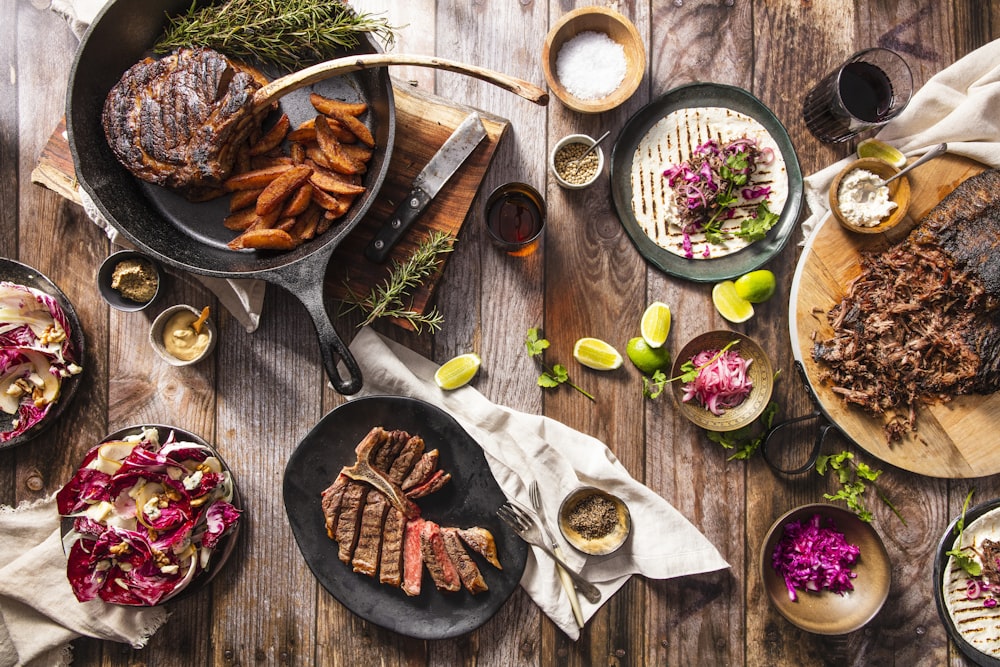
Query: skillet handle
(331, 347)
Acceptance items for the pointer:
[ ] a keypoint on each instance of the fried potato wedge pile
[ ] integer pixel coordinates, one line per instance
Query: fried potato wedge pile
(283, 197)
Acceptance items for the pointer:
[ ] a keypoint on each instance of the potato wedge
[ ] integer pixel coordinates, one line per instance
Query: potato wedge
(357, 128)
(332, 107)
(332, 149)
(273, 137)
(240, 220)
(298, 201)
(303, 135)
(267, 239)
(242, 199)
(332, 182)
(278, 190)
(256, 179)
(305, 225)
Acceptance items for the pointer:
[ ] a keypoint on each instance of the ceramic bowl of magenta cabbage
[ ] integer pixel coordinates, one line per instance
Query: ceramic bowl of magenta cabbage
(759, 373)
(151, 513)
(840, 608)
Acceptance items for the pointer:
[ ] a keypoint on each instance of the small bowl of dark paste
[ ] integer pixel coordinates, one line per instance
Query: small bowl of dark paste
(594, 521)
(129, 280)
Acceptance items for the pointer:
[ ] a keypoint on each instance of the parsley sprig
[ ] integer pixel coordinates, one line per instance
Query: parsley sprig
(963, 558)
(550, 377)
(853, 477)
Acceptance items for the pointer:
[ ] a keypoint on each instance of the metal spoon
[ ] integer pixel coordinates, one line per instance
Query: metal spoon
(593, 147)
(937, 151)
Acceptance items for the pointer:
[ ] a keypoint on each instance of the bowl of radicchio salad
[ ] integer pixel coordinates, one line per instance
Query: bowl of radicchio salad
(724, 380)
(151, 512)
(41, 352)
(706, 182)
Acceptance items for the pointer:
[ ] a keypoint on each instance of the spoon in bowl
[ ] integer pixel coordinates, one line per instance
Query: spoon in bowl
(937, 151)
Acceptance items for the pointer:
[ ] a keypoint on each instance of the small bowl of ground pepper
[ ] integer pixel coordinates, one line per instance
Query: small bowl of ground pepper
(129, 280)
(574, 165)
(594, 521)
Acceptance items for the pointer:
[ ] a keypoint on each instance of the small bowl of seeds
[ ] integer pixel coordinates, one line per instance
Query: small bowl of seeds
(594, 521)
(574, 164)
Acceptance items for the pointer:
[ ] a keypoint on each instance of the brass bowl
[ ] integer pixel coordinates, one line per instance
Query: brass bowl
(600, 546)
(826, 612)
(899, 193)
(760, 372)
(615, 26)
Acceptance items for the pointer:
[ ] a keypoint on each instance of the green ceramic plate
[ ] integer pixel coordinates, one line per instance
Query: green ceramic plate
(704, 95)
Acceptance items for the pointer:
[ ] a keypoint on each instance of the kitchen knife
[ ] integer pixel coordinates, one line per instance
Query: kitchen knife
(427, 184)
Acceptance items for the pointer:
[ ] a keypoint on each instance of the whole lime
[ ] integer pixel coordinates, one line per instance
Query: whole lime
(647, 359)
(756, 286)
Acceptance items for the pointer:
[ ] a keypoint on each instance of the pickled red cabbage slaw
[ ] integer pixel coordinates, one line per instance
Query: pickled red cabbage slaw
(722, 381)
(147, 518)
(36, 354)
(813, 555)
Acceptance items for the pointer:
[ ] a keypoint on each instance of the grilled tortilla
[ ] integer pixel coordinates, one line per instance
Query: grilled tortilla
(979, 625)
(671, 141)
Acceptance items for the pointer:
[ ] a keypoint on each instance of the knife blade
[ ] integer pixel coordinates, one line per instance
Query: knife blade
(441, 167)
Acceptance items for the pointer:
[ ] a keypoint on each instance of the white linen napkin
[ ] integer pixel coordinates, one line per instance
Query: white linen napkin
(39, 615)
(244, 299)
(521, 446)
(958, 105)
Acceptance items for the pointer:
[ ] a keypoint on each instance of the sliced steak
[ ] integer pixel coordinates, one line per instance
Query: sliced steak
(366, 554)
(437, 480)
(481, 541)
(179, 121)
(413, 558)
(436, 558)
(331, 500)
(422, 470)
(391, 560)
(349, 522)
(468, 571)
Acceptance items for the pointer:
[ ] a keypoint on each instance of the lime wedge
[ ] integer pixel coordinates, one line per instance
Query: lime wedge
(756, 286)
(882, 151)
(457, 372)
(655, 324)
(731, 305)
(595, 353)
(647, 359)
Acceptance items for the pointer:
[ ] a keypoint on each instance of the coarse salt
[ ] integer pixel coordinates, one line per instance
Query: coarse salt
(591, 65)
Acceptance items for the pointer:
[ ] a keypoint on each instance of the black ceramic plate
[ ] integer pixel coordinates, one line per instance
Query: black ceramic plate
(469, 499)
(225, 548)
(727, 266)
(22, 274)
(940, 567)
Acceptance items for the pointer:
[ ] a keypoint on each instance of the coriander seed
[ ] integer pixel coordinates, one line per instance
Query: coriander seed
(573, 166)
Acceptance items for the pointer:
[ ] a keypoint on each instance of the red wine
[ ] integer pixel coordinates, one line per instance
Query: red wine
(514, 218)
(865, 97)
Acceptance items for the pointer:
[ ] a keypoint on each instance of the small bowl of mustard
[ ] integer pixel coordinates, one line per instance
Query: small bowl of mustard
(182, 335)
(594, 521)
(130, 281)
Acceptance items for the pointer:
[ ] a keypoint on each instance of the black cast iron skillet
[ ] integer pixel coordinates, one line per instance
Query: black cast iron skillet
(190, 236)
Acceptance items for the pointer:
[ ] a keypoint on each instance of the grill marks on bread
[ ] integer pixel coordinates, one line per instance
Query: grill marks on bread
(376, 538)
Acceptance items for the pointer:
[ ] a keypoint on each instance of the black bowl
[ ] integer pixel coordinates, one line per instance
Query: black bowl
(112, 296)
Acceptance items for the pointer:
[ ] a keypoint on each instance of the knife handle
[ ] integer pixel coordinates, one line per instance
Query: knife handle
(567, 582)
(390, 233)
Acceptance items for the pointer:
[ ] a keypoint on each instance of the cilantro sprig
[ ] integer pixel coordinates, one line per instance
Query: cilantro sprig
(962, 557)
(748, 439)
(550, 377)
(853, 477)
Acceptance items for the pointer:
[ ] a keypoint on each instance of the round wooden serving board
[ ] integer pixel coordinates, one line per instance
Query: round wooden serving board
(956, 439)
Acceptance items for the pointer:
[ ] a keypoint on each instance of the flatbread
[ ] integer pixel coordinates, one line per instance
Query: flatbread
(671, 141)
(977, 624)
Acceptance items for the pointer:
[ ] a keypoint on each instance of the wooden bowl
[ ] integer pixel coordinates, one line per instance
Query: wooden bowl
(826, 612)
(899, 192)
(760, 372)
(615, 26)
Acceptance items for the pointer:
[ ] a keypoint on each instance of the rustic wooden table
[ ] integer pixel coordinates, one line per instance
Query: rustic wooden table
(262, 392)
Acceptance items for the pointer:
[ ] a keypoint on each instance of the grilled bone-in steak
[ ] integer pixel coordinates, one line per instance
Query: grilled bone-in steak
(922, 321)
(468, 571)
(180, 120)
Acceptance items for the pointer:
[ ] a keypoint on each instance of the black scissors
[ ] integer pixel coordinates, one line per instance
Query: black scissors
(776, 437)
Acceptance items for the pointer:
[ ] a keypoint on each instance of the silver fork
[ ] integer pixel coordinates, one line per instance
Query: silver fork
(567, 583)
(524, 524)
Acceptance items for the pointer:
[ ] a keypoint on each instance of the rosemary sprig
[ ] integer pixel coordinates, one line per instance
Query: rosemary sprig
(286, 33)
(388, 299)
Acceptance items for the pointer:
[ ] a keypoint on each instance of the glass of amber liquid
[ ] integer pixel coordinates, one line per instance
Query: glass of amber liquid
(515, 218)
(866, 91)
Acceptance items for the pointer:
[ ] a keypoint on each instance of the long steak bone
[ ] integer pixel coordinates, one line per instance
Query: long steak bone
(363, 471)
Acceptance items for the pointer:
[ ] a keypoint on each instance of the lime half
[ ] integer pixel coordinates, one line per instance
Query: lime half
(730, 304)
(595, 353)
(457, 372)
(882, 151)
(655, 324)
(756, 286)
(647, 359)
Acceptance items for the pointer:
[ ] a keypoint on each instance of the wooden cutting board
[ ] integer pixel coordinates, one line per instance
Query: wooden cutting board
(423, 123)
(956, 439)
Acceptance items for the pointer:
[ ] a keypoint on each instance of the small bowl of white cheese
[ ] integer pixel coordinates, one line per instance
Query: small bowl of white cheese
(863, 202)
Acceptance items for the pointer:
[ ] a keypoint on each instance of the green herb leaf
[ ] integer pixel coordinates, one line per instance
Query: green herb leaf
(853, 477)
(550, 377)
(653, 386)
(748, 439)
(755, 228)
(963, 558)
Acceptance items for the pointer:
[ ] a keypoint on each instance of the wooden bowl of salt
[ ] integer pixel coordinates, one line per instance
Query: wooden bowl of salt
(593, 59)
